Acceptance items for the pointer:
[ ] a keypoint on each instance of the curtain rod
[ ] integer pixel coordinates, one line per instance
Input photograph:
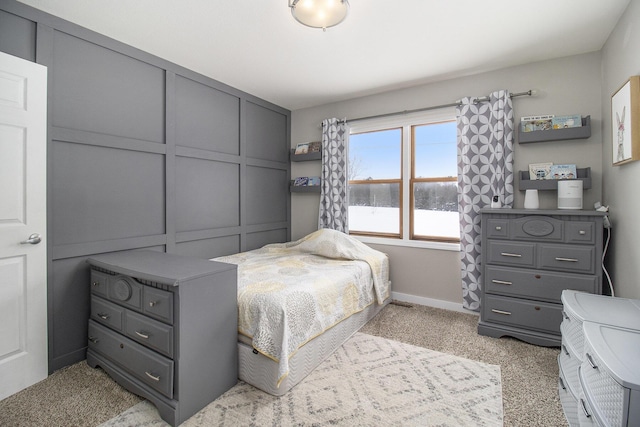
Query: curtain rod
(530, 92)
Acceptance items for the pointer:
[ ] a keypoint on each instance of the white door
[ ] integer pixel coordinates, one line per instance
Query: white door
(23, 222)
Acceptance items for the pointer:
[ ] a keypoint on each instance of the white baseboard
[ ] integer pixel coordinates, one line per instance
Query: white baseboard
(431, 302)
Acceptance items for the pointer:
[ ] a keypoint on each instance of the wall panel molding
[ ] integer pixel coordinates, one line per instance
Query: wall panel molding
(125, 122)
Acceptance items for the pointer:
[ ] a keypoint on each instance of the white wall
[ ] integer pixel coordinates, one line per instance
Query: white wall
(620, 60)
(565, 86)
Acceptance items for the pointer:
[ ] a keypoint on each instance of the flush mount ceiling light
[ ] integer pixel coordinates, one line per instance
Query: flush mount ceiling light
(319, 13)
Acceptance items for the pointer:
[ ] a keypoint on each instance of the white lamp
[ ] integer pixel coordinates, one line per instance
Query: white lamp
(319, 13)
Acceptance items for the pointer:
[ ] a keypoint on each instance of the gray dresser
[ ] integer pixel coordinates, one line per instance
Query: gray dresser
(599, 379)
(528, 258)
(165, 327)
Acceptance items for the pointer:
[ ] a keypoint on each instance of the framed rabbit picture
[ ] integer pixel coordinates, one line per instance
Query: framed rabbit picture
(625, 122)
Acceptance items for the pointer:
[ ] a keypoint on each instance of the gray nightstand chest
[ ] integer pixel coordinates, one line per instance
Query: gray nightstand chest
(528, 258)
(165, 327)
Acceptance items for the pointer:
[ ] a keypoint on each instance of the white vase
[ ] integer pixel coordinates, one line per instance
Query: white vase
(531, 199)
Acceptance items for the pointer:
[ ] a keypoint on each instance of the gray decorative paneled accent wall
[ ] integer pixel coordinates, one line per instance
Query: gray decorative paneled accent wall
(144, 154)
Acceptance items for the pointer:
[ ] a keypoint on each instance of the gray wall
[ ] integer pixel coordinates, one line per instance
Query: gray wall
(143, 154)
(620, 60)
(565, 86)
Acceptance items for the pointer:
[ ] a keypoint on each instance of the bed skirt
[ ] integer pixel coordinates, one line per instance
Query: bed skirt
(262, 372)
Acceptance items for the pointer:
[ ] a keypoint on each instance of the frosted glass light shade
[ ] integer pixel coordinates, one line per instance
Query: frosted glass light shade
(319, 13)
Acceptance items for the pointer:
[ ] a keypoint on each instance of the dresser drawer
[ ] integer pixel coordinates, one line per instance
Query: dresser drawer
(536, 284)
(107, 313)
(580, 232)
(531, 315)
(539, 228)
(149, 367)
(567, 258)
(567, 398)
(99, 283)
(149, 332)
(158, 303)
(586, 416)
(569, 363)
(125, 290)
(520, 254)
(497, 228)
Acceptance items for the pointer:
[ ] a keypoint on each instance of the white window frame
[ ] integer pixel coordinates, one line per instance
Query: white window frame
(405, 122)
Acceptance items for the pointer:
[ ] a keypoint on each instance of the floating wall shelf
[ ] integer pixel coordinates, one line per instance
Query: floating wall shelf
(305, 157)
(584, 175)
(303, 188)
(582, 132)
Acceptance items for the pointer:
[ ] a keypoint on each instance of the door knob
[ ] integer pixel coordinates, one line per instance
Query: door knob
(34, 239)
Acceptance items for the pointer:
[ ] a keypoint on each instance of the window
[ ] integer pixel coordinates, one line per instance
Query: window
(403, 178)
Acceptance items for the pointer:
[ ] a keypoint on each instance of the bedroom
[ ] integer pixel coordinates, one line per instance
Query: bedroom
(582, 83)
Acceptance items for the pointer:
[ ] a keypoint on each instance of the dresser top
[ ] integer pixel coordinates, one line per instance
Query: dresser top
(614, 311)
(571, 212)
(160, 267)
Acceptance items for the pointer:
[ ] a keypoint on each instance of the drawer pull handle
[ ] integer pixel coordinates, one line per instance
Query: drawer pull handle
(584, 408)
(562, 383)
(95, 284)
(511, 255)
(582, 232)
(153, 377)
(94, 340)
(142, 335)
(506, 313)
(566, 259)
(591, 362)
(502, 282)
(498, 228)
(565, 350)
(153, 303)
(103, 316)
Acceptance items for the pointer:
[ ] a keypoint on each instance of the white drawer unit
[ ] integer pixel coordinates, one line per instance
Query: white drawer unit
(610, 375)
(528, 258)
(165, 328)
(599, 360)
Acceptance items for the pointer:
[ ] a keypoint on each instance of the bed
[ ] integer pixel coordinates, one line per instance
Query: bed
(299, 301)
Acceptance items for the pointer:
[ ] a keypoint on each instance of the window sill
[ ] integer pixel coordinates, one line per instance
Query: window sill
(410, 243)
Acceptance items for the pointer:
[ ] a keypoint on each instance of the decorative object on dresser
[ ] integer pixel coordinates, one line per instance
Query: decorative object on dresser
(570, 194)
(531, 200)
(528, 258)
(165, 327)
(599, 380)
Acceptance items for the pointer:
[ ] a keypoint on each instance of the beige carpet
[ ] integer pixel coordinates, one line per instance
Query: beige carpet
(81, 396)
(369, 381)
(529, 372)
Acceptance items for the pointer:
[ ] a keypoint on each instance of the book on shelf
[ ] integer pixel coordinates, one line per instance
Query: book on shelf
(563, 172)
(313, 181)
(301, 181)
(306, 181)
(302, 148)
(563, 122)
(539, 171)
(315, 146)
(533, 123)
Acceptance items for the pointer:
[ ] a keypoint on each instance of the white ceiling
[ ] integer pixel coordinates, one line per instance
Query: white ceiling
(256, 45)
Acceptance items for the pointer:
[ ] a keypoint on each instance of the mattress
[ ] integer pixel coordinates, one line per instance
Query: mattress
(301, 300)
(262, 372)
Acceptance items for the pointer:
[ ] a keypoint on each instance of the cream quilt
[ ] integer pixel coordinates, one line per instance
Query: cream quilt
(289, 293)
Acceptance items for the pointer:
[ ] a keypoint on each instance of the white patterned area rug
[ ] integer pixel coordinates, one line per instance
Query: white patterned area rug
(369, 381)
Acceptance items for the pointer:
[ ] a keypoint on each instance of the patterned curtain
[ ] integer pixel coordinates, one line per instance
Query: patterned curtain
(485, 169)
(334, 196)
